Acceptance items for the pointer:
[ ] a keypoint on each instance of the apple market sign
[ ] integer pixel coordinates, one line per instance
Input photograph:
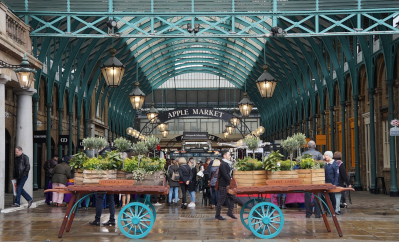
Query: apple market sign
(187, 112)
(395, 130)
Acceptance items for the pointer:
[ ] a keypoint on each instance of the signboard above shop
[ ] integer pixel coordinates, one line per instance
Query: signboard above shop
(187, 112)
(195, 135)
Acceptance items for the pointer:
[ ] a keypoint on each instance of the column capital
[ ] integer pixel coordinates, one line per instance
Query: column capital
(371, 91)
(24, 92)
(49, 105)
(343, 103)
(4, 78)
(331, 108)
(355, 97)
(390, 82)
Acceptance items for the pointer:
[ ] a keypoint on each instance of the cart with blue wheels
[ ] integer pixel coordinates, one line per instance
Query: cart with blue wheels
(135, 219)
(266, 220)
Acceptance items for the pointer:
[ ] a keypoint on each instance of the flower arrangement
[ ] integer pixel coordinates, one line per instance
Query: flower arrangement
(248, 164)
(273, 161)
(252, 143)
(122, 144)
(77, 160)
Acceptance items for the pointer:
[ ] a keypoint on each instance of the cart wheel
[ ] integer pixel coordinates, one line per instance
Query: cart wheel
(149, 204)
(135, 220)
(246, 208)
(266, 220)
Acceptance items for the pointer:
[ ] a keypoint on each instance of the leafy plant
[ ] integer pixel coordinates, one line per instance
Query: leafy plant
(299, 158)
(248, 164)
(114, 159)
(94, 143)
(139, 174)
(122, 144)
(291, 144)
(151, 142)
(140, 148)
(77, 160)
(152, 164)
(130, 164)
(318, 164)
(285, 165)
(252, 143)
(307, 163)
(271, 162)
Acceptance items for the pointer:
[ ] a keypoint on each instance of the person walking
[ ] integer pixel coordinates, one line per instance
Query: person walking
(173, 180)
(193, 183)
(316, 155)
(224, 179)
(21, 173)
(48, 170)
(61, 173)
(331, 173)
(342, 180)
(215, 195)
(185, 178)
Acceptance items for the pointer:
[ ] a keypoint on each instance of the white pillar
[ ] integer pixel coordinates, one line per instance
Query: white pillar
(24, 136)
(3, 80)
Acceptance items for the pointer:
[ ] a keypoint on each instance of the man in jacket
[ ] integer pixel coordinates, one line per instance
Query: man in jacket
(308, 199)
(48, 169)
(331, 173)
(224, 178)
(20, 173)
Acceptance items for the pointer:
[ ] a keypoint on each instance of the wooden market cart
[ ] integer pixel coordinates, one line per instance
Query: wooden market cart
(265, 219)
(135, 219)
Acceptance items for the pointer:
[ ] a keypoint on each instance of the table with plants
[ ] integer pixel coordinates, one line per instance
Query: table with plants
(276, 175)
(117, 172)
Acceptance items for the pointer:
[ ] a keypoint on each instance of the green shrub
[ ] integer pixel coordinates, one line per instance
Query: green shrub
(77, 160)
(271, 161)
(285, 165)
(122, 144)
(248, 164)
(306, 163)
(131, 164)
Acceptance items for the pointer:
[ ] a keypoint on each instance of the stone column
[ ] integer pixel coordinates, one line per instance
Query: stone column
(3, 80)
(24, 137)
(358, 185)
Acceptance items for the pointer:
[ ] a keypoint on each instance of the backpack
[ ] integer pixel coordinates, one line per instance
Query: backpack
(175, 176)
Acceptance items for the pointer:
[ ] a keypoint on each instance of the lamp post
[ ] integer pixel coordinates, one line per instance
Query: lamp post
(113, 70)
(266, 84)
(152, 114)
(25, 74)
(137, 97)
(245, 106)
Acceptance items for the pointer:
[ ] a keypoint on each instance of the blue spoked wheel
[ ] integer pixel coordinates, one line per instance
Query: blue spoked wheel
(266, 220)
(135, 220)
(246, 208)
(149, 204)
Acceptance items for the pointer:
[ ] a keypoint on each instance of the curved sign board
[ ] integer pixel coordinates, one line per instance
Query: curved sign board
(187, 112)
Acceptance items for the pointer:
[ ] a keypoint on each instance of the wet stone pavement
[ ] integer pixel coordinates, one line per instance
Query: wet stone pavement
(370, 217)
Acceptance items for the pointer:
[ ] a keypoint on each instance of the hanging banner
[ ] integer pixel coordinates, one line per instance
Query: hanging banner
(39, 137)
(206, 112)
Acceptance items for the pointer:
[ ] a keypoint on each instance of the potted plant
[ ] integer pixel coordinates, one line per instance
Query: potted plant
(151, 142)
(92, 144)
(252, 143)
(290, 145)
(76, 164)
(249, 172)
(131, 164)
(139, 149)
(301, 139)
(273, 165)
(154, 168)
(99, 168)
(122, 145)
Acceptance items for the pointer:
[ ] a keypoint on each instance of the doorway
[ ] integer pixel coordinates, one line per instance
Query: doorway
(366, 118)
(7, 161)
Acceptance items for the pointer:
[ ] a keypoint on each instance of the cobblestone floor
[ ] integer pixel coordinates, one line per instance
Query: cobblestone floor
(370, 217)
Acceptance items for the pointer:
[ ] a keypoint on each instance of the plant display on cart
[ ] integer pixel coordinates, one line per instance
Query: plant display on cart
(94, 143)
(122, 144)
(248, 164)
(139, 174)
(307, 163)
(318, 164)
(272, 161)
(252, 142)
(77, 160)
(151, 165)
(131, 164)
(114, 159)
(301, 139)
(285, 165)
(291, 145)
(151, 142)
(139, 148)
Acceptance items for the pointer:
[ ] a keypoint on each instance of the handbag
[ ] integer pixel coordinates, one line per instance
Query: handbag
(209, 181)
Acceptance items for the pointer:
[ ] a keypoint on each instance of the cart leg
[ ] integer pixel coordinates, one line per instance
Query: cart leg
(66, 215)
(69, 224)
(334, 216)
(323, 213)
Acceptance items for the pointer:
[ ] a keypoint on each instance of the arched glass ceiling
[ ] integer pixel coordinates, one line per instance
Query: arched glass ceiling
(196, 81)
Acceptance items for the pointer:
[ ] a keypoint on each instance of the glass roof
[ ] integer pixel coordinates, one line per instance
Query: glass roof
(197, 81)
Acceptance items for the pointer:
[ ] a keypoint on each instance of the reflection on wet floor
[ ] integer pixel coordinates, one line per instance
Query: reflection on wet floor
(370, 217)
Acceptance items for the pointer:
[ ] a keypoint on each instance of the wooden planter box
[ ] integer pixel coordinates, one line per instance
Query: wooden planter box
(156, 179)
(93, 177)
(318, 176)
(78, 179)
(305, 175)
(281, 175)
(120, 175)
(250, 178)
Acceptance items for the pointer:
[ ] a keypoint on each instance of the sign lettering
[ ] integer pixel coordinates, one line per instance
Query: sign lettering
(116, 182)
(63, 140)
(284, 182)
(209, 112)
(39, 136)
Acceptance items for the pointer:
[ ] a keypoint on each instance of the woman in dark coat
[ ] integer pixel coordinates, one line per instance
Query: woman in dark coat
(173, 184)
(193, 183)
(61, 173)
(342, 178)
(185, 178)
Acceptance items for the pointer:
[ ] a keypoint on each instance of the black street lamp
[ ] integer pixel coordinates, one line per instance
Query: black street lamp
(113, 70)
(266, 84)
(137, 97)
(25, 74)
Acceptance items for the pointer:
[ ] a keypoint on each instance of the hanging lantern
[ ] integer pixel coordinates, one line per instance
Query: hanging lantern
(113, 70)
(152, 114)
(235, 120)
(162, 127)
(165, 133)
(266, 84)
(137, 134)
(134, 132)
(229, 128)
(137, 97)
(25, 74)
(129, 131)
(225, 134)
(261, 129)
(245, 106)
